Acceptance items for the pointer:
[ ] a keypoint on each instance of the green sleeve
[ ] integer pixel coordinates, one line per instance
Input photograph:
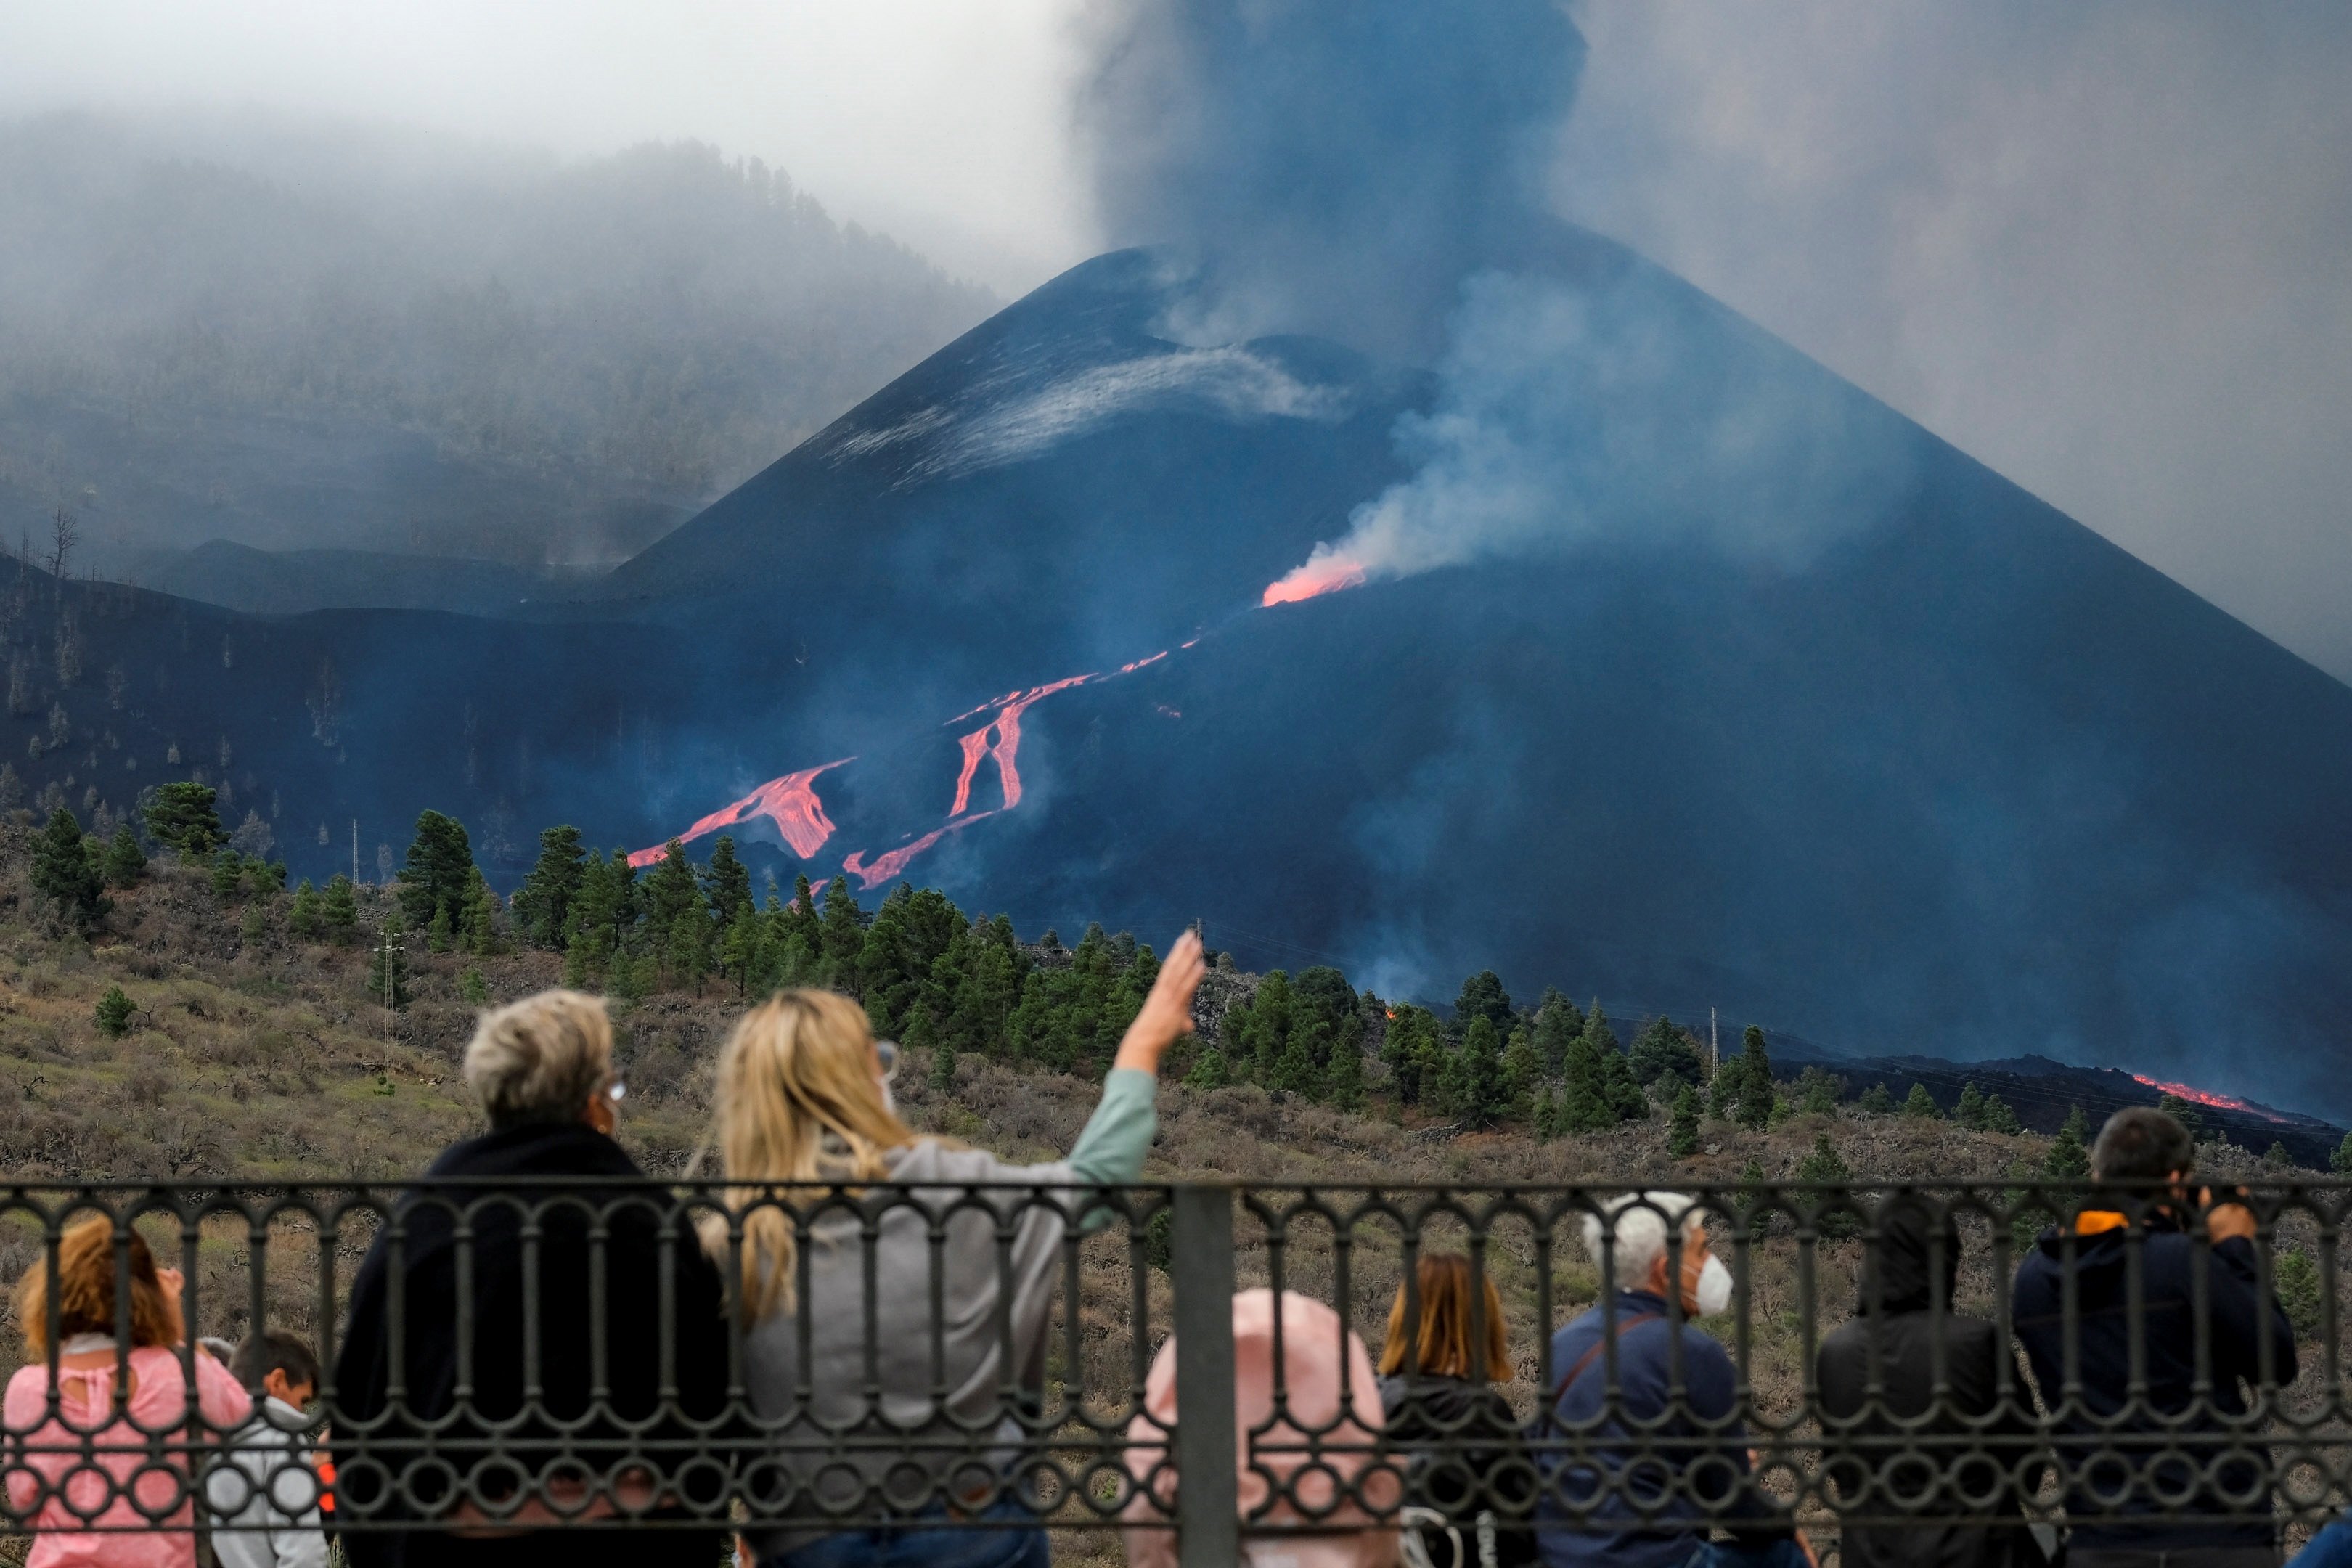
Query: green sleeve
(1119, 1135)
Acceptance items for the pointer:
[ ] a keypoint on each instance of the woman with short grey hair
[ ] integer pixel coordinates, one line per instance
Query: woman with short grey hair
(542, 1069)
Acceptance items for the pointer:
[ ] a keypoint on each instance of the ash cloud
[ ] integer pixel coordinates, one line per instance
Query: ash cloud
(1378, 174)
(1339, 168)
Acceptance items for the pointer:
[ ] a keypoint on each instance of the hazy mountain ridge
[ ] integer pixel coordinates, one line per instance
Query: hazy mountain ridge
(658, 322)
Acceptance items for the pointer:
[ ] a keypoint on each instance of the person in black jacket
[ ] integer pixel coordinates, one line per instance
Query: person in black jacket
(1877, 1379)
(1465, 1463)
(2155, 1485)
(544, 1069)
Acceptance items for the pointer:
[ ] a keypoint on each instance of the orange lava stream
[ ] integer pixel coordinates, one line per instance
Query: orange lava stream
(2197, 1096)
(789, 802)
(975, 746)
(1313, 579)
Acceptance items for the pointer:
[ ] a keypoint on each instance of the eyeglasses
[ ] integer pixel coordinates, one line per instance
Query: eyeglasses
(887, 1053)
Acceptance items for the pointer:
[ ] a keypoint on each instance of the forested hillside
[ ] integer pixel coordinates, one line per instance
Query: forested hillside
(316, 335)
(171, 1007)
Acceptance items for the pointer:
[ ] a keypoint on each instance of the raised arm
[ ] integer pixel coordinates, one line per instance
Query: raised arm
(1119, 1135)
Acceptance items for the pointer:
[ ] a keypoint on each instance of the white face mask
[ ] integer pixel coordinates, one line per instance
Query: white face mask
(1714, 1287)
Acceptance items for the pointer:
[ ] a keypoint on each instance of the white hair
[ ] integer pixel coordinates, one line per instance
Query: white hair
(1637, 1222)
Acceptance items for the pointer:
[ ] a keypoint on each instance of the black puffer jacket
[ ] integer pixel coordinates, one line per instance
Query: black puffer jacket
(636, 1258)
(1968, 1444)
(1464, 1455)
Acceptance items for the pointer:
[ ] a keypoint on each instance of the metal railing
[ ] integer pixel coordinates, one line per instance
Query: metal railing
(577, 1352)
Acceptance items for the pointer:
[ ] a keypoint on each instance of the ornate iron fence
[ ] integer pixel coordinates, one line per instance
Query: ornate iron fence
(595, 1354)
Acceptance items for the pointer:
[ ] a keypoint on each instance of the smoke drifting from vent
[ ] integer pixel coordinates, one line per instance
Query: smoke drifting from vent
(1371, 174)
(1339, 167)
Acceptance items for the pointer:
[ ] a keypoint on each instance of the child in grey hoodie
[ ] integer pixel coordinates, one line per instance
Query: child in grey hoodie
(264, 1489)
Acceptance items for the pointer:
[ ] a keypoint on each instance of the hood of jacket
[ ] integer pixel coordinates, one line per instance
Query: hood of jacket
(1899, 1270)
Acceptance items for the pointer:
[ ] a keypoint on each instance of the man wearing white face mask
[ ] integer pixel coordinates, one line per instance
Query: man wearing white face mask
(1638, 1460)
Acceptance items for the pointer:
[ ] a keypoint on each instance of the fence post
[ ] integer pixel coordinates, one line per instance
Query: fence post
(1201, 1263)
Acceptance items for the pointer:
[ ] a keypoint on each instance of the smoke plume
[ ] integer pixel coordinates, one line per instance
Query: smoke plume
(1372, 173)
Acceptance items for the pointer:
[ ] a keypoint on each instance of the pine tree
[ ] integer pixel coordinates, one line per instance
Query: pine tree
(477, 931)
(114, 1011)
(841, 935)
(1999, 1117)
(1209, 1070)
(437, 936)
(1343, 1082)
(1875, 1101)
(64, 875)
(543, 905)
(1682, 1138)
(339, 911)
(1818, 1091)
(1752, 1075)
(2181, 1110)
(2068, 1159)
(437, 875)
(1557, 1023)
(1585, 1104)
(181, 816)
(1522, 1071)
(302, 914)
(726, 882)
(1970, 1111)
(1544, 1121)
(2277, 1158)
(1922, 1104)
(1483, 997)
(472, 989)
(228, 874)
(1474, 1076)
(2340, 1161)
(125, 863)
(1662, 1050)
(1405, 1051)
(1824, 1166)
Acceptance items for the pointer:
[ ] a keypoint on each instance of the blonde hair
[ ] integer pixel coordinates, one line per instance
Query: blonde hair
(1444, 1347)
(542, 1058)
(86, 1290)
(797, 1102)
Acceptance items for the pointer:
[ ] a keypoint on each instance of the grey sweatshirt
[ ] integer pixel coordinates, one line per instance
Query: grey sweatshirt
(960, 1425)
(264, 1493)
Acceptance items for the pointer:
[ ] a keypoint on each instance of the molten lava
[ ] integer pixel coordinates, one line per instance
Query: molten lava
(791, 802)
(1316, 577)
(2201, 1096)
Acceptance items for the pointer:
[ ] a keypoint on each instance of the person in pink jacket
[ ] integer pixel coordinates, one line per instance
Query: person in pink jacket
(78, 1466)
(1314, 1374)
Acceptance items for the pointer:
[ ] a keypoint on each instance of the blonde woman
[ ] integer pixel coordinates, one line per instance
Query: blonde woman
(868, 1422)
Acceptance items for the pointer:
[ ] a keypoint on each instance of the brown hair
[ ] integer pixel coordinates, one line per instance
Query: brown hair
(1444, 1347)
(86, 1290)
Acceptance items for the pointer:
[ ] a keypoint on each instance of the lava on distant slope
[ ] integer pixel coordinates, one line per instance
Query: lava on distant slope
(1326, 575)
(791, 802)
(2203, 1096)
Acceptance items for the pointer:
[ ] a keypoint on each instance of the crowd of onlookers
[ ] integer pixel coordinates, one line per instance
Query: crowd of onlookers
(483, 1405)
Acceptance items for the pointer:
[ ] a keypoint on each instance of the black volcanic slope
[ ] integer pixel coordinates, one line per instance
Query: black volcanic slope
(1957, 778)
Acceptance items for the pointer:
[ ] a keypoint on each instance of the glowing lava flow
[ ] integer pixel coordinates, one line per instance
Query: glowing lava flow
(789, 802)
(1326, 576)
(1005, 749)
(2201, 1095)
(793, 805)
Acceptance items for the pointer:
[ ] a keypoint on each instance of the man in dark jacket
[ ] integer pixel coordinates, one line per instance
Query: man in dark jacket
(1639, 1459)
(2165, 1485)
(1878, 1379)
(596, 1432)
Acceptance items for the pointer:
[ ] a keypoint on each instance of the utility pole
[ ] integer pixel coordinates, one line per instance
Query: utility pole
(355, 851)
(1714, 1055)
(389, 991)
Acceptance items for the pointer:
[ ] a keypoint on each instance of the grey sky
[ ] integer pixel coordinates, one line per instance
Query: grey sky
(2103, 247)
